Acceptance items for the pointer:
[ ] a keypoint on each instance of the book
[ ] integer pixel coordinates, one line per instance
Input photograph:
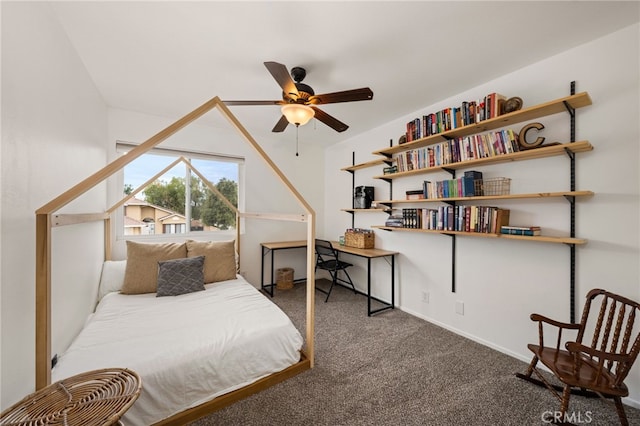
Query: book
(427, 192)
(415, 195)
(526, 232)
(501, 220)
(520, 230)
(526, 228)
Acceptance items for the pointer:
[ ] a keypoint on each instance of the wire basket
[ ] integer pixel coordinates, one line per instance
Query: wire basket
(495, 186)
(359, 239)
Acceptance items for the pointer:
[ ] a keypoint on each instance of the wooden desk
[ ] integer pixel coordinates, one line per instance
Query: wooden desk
(373, 253)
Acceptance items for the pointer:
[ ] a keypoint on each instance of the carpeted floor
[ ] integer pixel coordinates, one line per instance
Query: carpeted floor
(395, 369)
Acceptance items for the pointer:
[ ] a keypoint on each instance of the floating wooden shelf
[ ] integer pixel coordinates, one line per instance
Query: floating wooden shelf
(372, 163)
(538, 238)
(364, 210)
(549, 108)
(544, 151)
(492, 197)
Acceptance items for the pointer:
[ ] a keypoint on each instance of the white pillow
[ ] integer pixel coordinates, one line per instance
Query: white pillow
(112, 277)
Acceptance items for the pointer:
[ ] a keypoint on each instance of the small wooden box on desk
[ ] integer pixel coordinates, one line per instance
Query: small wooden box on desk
(365, 239)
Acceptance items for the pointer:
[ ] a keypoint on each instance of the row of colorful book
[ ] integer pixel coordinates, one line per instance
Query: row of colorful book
(469, 185)
(483, 219)
(458, 150)
(469, 112)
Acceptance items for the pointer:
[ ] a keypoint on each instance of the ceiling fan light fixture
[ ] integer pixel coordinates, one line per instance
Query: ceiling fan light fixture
(298, 114)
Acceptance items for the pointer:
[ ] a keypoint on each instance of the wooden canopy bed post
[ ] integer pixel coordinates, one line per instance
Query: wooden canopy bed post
(44, 223)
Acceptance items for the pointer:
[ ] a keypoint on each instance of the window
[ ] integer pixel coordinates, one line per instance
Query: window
(178, 201)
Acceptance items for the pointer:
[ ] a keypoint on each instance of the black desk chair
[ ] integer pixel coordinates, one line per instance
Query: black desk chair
(327, 259)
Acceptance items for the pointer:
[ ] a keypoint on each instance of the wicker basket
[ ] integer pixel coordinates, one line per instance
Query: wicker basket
(97, 397)
(493, 186)
(284, 278)
(360, 239)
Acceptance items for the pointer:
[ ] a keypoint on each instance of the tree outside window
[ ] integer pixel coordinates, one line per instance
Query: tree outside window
(169, 206)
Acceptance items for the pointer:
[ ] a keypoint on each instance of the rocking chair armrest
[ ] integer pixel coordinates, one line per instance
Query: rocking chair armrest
(559, 324)
(575, 347)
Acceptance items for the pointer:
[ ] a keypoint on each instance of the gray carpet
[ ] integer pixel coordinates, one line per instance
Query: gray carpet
(395, 369)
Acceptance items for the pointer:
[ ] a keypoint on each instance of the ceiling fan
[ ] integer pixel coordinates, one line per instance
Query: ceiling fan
(299, 100)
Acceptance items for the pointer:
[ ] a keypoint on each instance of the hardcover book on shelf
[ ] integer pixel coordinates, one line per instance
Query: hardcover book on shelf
(417, 194)
(501, 219)
(521, 230)
(394, 221)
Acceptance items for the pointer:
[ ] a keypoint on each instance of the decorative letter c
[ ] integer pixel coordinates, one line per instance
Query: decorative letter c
(522, 139)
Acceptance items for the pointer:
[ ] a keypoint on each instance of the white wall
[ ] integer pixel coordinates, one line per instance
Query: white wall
(502, 282)
(54, 129)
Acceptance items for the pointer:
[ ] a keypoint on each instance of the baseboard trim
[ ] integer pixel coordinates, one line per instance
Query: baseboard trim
(522, 357)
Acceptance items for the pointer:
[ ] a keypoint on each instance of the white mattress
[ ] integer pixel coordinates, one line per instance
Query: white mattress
(187, 349)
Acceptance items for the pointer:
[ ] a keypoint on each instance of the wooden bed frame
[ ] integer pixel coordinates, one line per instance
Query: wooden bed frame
(46, 219)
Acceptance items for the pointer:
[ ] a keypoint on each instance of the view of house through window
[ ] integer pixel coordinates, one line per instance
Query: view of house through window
(179, 201)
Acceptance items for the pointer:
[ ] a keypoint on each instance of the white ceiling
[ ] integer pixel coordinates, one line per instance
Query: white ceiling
(167, 58)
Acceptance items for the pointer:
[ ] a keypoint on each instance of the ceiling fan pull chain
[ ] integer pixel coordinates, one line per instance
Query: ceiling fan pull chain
(297, 126)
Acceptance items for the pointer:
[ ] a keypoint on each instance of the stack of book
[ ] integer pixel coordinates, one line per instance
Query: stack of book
(417, 194)
(394, 221)
(520, 230)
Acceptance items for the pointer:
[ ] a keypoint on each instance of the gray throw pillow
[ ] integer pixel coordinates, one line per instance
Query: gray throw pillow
(180, 276)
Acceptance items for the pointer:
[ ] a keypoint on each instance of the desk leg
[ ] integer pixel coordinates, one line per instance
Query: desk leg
(262, 286)
(368, 286)
(262, 269)
(387, 305)
(393, 280)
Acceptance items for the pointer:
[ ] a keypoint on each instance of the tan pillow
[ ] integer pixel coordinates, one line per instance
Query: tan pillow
(219, 259)
(141, 273)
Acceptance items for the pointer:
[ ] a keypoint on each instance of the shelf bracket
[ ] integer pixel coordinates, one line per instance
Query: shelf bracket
(571, 154)
(571, 110)
(570, 198)
(453, 263)
(452, 172)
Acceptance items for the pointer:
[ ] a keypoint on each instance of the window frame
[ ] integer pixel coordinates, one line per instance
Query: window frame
(123, 147)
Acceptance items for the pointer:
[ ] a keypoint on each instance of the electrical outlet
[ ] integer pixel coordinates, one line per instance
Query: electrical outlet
(459, 307)
(425, 297)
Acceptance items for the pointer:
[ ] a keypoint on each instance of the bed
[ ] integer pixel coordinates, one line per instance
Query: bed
(187, 349)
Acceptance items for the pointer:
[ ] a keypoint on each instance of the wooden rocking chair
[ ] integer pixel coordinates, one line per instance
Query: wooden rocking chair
(591, 369)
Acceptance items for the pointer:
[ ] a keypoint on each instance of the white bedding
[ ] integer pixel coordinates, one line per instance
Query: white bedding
(187, 349)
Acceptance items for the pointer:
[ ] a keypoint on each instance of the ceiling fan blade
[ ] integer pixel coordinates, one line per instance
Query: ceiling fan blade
(363, 94)
(281, 125)
(330, 121)
(281, 75)
(230, 103)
